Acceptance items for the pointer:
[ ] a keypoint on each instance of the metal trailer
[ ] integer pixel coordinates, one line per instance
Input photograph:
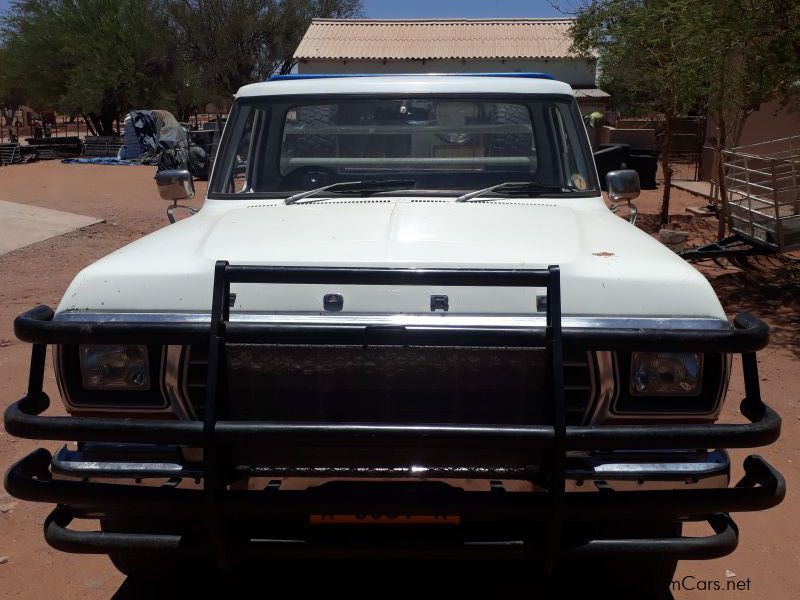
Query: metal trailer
(762, 201)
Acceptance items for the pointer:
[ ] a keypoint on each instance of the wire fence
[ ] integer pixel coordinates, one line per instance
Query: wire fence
(60, 127)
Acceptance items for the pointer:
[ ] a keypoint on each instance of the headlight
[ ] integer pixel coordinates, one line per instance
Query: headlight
(666, 374)
(115, 367)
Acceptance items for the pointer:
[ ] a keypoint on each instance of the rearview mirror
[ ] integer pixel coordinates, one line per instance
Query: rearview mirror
(623, 185)
(174, 185)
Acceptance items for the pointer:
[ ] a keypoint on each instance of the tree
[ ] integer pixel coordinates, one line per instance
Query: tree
(645, 60)
(726, 57)
(102, 58)
(236, 42)
(752, 57)
(11, 94)
(96, 57)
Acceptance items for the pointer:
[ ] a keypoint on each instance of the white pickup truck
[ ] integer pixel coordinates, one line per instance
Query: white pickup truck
(403, 324)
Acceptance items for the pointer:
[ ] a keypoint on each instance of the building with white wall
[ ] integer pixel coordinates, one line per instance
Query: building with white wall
(449, 46)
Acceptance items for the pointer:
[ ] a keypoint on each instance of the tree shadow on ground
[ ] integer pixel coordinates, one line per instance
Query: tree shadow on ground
(431, 581)
(767, 286)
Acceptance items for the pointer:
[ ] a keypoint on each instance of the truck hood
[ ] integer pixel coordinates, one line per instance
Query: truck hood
(608, 267)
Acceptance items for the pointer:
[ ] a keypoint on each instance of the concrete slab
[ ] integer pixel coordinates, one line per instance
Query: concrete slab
(22, 225)
(698, 188)
(700, 211)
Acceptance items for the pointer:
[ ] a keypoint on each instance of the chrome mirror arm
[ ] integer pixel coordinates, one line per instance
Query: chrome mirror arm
(171, 210)
(634, 213)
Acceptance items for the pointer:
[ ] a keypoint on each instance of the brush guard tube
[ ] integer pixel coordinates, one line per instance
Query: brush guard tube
(30, 479)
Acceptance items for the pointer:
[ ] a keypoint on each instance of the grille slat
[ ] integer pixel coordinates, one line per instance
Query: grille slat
(312, 396)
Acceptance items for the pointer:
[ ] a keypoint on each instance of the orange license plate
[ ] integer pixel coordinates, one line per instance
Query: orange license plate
(384, 520)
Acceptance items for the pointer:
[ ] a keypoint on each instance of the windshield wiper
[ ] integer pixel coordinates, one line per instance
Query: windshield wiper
(519, 186)
(364, 188)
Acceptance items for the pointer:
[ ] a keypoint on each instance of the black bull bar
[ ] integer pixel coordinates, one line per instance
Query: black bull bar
(30, 479)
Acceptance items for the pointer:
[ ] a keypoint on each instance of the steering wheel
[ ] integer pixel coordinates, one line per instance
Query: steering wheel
(308, 178)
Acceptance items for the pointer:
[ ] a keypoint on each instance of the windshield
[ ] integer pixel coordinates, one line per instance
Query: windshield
(274, 147)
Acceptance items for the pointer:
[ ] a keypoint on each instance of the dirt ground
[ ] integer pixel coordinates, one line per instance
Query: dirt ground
(765, 565)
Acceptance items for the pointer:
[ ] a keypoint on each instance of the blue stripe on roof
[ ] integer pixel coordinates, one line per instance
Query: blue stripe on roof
(340, 75)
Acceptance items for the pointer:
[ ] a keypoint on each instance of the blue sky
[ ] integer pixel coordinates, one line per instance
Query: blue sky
(433, 9)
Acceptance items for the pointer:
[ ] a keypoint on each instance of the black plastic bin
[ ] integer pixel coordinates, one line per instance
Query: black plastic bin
(610, 157)
(644, 162)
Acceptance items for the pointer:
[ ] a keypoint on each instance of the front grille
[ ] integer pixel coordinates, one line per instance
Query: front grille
(389, 384)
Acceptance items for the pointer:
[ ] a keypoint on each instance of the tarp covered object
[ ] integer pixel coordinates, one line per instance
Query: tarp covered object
(154, 137)
(98, 160)
(131, 147)
(147, 131)
(170, 132)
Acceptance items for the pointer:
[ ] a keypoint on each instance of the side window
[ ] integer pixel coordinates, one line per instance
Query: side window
(248, 152)
(238, 181)
(571, 162)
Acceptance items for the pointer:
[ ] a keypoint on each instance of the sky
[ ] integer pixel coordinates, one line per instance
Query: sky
(465, 9)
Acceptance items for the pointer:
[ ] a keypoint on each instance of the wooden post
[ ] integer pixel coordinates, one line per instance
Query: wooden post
(666, 167)
(793, 158)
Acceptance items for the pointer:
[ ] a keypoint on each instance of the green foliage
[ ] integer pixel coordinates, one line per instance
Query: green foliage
(12, 94)
(105, 57)
(752, 57)
(98, 57)
(235, 42)
(784, 49)
(594, 119)
(727, 56)
(723, 57)
(646, 59)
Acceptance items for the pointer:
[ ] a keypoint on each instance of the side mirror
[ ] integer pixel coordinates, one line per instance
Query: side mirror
(624, 186)
(175, 184)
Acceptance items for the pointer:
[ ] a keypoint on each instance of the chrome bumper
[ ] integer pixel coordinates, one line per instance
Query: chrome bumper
(620, 470)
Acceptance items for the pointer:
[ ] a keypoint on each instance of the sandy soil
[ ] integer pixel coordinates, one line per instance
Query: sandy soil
(126, 198)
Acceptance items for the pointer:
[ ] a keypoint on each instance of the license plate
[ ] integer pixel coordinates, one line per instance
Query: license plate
(384, 519)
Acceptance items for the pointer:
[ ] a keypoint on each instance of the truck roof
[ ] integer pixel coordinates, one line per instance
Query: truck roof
(503, 83)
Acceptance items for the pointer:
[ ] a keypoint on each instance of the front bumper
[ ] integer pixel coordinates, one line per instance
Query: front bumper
(585, 471)
(242, 523)
(32, 479)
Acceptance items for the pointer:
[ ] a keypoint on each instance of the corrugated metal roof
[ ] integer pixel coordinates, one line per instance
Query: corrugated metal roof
(591, 93)
(352, 39)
